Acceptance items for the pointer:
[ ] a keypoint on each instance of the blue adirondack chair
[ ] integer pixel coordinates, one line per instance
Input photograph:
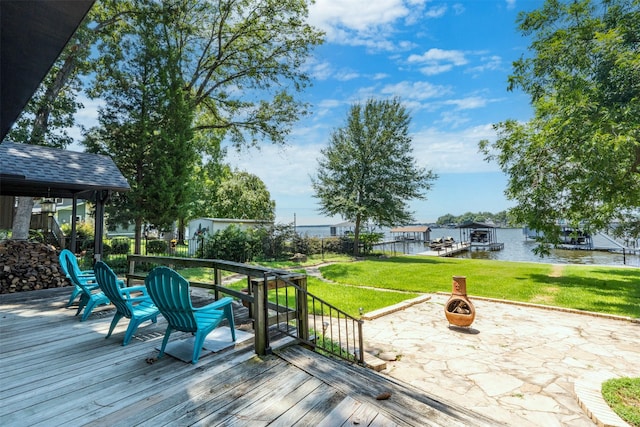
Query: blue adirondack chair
(137, 309)
(89, 296)
(170, 292)
(85, 276)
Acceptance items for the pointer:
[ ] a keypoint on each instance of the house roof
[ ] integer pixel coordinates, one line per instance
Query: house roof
(411, 229)
(33, 33)
(37, 171)
(477, 225)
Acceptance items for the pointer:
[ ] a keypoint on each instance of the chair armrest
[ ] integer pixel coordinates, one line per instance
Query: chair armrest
(216, 305)
(128, 290)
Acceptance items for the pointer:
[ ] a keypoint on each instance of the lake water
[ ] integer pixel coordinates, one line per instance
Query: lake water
(516, 248)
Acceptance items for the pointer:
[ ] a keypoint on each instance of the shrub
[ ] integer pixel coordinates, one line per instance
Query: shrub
(232, 244)
(156, 247)
(120, 245)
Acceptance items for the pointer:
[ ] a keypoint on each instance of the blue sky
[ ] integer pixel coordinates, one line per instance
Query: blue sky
(448, 62)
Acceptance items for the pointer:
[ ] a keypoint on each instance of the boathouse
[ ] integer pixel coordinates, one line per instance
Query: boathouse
(418, 233)
(481, 236)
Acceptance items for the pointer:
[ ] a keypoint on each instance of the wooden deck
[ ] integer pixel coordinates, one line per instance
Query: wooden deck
(56, 370)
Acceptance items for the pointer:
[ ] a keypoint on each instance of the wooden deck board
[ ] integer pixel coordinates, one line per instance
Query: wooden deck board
(56, 370)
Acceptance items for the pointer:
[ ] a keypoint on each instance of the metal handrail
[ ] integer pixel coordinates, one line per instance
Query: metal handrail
(324, 327)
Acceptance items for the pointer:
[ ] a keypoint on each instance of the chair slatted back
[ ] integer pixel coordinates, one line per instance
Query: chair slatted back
(65, 257)
(170, 293)
(73, 276)
(108, 282)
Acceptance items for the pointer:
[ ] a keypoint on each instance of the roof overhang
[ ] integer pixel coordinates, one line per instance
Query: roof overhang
(33, 33)
(37, 171)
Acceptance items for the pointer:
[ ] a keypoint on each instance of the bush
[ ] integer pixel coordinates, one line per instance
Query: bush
(121, 245)
(157, 247)
(275, 241)
(232, 244)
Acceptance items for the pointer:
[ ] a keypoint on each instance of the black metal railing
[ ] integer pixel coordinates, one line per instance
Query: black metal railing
(312, 320)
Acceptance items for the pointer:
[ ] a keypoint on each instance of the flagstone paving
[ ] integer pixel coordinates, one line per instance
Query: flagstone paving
(517, 364)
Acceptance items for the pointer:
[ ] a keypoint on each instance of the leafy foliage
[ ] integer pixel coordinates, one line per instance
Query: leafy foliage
(120, 245)
(368, 173)
(232, 244)
(243, 196)
(578, 158)
(501, 218)
(157, 246)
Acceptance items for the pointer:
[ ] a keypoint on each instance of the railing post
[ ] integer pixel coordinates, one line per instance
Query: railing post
(217, 279)
(302, 309)
(132, 269)
(260, 327)
(360, 342)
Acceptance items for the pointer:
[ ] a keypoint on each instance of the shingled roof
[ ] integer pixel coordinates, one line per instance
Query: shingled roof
(37, 171)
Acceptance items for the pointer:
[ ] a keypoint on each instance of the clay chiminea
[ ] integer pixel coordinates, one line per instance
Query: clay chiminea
(458, 309)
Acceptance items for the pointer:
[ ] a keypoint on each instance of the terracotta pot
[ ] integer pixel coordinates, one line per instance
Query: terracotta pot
(459, 310)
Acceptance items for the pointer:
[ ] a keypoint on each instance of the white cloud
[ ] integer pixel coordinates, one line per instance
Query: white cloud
(437, 61)
(435, 55)
(511, 4)
(489, 63)
(415, 90)
(345, 76)
(468, 103)
(436, 12)
(432, 70)
(365, 22)
(453, 152)
(359, 15)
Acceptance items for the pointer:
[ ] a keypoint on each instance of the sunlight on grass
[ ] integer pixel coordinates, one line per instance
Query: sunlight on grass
(613, 290)
(602, 289)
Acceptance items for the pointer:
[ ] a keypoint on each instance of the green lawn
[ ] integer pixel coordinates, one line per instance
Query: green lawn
(613, 290)
(347, 298)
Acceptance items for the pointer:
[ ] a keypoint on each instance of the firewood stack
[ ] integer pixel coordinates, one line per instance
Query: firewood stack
(28, 266)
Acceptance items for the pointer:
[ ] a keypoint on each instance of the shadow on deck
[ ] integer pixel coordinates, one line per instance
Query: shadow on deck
(57, 370)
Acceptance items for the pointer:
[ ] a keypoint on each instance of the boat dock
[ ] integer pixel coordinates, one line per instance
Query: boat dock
(455, 248)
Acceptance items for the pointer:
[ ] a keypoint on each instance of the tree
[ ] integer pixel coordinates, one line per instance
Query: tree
(578, 158)
(146, 124)
(234, 67)
(368, 173)
(243, 196)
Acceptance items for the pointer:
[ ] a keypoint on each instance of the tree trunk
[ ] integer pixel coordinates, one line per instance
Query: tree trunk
(356, 236)
(181, 231)
(138, 236)
(22, 219)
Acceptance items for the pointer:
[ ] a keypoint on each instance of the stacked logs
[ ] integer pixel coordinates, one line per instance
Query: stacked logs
(28, 266)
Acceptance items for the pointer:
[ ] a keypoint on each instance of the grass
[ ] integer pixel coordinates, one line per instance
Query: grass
(623, 396)
(347, 298)
(312, 260)
(613, 290)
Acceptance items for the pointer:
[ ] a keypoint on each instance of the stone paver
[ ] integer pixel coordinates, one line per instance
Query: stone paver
(516, 364)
